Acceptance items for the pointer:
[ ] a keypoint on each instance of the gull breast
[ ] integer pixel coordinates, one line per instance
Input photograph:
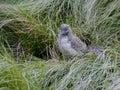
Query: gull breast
(66, 46)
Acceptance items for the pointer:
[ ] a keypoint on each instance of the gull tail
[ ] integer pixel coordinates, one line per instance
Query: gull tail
(98, 51)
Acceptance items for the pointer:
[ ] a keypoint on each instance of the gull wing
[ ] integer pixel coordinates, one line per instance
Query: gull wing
(78, 45)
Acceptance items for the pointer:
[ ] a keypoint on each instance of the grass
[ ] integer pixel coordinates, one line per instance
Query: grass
(74, 75)
(28, 33)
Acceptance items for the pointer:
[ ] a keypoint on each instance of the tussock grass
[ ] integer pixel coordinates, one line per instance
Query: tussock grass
(73, 75)
(36, 23)
(30, 28)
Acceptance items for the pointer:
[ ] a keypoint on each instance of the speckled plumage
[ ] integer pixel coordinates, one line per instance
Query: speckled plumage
(69, 43)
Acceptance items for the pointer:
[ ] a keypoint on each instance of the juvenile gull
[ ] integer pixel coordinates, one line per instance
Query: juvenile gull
(69, 43)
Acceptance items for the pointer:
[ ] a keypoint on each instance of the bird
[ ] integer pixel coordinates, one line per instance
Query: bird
(69, 44)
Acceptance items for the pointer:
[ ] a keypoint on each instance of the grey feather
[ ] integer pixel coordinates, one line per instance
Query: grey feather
(70, 44)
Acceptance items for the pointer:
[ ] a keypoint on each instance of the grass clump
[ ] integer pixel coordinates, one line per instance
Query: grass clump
(28, 30)
(73, 75)
(35, 24)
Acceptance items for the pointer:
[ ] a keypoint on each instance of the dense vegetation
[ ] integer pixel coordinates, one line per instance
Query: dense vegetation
(30, 59)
